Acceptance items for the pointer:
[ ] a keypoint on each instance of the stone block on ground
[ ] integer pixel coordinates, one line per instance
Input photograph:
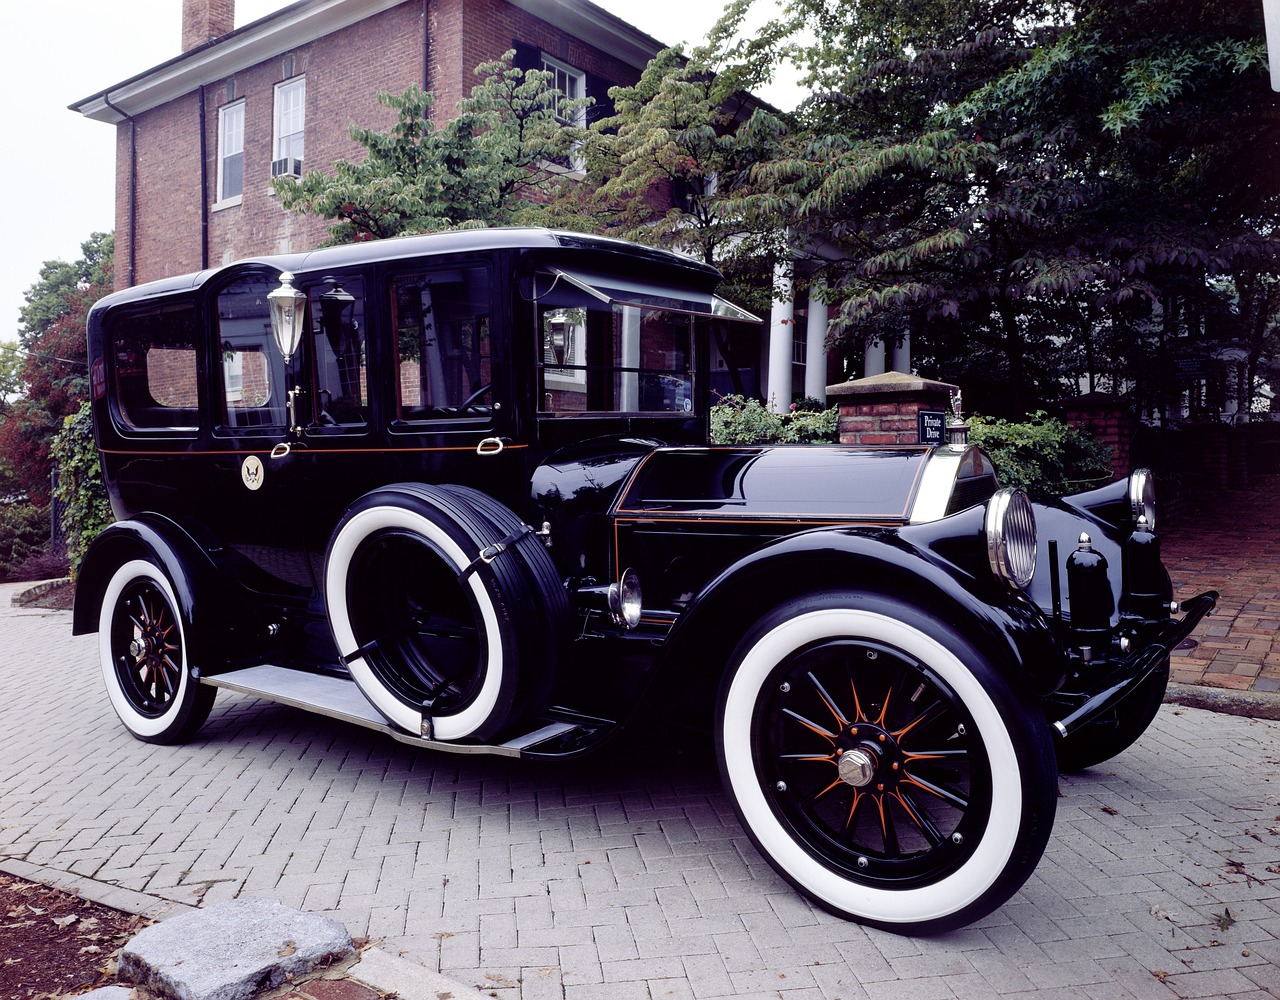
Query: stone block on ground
(231, 950)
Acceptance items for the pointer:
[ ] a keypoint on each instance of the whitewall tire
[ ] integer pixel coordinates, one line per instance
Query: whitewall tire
(882, 766)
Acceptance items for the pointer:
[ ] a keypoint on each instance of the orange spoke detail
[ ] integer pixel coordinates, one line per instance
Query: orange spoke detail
(910, 725)
(884, 820)
(950, 798)
(857, 703)
(853, 808)
(884, 709)
(840, 719)
(810, 726)
(833, 784)
(915, 818)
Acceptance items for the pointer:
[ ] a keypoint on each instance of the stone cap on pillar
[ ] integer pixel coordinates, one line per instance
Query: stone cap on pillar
(887, 409)
(889, 387)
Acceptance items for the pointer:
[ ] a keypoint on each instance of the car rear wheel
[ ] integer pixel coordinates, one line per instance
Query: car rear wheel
(883, 766)
(143, 651)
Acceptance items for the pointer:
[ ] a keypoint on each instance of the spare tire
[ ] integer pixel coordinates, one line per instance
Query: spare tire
(441, 642)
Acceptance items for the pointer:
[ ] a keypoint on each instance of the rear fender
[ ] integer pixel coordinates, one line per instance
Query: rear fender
(187, 565)
(1009, 629)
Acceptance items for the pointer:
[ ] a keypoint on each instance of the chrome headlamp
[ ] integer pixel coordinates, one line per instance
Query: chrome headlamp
(1142, 497)
(625, 599)
(1011, 537)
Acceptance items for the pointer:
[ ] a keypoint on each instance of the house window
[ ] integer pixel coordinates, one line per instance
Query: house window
(230, 151)
(570, 82)
(573, 84)
(290, 117)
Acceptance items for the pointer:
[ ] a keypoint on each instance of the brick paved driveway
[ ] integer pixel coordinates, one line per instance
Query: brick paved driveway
(627, 876)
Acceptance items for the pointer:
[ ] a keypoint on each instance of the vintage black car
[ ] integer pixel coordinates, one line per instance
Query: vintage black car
(458, 488)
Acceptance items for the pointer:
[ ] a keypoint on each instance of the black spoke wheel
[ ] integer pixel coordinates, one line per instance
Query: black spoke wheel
(142, 645)
(881, 765)
(873, 760)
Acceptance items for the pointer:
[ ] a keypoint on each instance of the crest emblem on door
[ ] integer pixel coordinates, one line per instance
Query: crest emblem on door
(251, 472)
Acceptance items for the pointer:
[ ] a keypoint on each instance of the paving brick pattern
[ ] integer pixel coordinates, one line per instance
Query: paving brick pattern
(1230, 543)
(626, 876)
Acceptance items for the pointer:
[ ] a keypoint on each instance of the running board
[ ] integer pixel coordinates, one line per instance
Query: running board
(340, 698)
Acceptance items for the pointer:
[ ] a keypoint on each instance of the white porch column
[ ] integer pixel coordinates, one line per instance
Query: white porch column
(873, 359)
(902, 354)
(629, 394)
(777, 390)
(815, 350)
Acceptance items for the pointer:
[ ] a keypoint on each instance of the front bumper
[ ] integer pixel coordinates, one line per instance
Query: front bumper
(1129, 673)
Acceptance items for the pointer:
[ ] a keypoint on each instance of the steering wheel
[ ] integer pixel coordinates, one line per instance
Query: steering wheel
(471, 400)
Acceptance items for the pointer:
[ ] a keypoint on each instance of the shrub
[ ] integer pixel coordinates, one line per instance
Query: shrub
(80, 484)
(24, 533)
(1042, 455)
(738, 420)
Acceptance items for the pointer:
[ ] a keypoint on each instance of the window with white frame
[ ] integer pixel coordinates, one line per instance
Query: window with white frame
(573, 84)
(290, 117)
(570, 82)
(230, 151)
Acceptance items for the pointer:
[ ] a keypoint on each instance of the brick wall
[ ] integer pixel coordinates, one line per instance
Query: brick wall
(205, 20)
(344, 71)
(1107, 421)
(885, 409)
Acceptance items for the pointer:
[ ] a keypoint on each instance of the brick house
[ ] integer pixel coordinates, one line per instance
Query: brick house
(198, 138)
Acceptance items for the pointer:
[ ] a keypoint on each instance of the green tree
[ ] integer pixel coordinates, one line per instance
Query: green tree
(493, 164)
(669, 166)
(54, 369)
(1032, 190)
(56, 293)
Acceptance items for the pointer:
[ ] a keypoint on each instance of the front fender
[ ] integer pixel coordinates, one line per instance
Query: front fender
(1009, 628)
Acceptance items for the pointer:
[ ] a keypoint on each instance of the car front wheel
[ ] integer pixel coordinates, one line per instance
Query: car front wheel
(882, 765)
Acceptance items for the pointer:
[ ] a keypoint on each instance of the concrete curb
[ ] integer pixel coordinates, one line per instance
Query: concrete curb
(22, 598)
(1249, 704)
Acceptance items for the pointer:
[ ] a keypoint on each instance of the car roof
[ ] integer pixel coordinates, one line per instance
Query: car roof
(427, 245)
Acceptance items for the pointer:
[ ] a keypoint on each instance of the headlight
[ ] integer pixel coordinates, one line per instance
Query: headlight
(1011, 537)
(1142, 497)
(625, 599)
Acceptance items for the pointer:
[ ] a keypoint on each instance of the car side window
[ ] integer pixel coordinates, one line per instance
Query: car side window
(253, 373)
(444, 360)
(153, 363)
(341, 377)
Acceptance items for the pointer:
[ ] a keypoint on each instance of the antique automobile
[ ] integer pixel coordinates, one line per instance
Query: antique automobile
(457, 488)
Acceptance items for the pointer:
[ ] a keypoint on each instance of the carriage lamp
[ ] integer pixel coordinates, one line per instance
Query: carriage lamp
(288, 313)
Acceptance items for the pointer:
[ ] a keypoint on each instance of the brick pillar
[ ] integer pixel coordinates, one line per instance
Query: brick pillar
(1106, 418)
(884, 409)
(205, 20)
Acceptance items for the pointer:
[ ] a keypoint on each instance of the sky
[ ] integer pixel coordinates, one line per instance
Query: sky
(60, 170)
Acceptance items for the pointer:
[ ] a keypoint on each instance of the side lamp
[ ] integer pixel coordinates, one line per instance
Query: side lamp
(288, 314)
(288, 308)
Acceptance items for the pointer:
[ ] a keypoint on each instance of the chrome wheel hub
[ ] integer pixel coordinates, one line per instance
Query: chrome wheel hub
(857, 767)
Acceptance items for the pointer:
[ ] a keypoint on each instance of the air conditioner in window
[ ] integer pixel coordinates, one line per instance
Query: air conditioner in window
(288, 167)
